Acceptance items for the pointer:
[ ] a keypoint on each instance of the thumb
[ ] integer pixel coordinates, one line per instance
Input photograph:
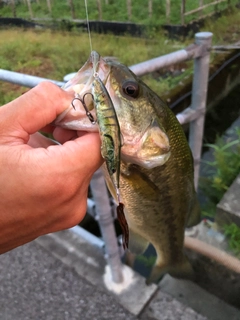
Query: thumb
(33, 110)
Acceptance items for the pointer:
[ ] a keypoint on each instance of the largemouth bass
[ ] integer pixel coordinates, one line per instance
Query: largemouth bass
(156, 172)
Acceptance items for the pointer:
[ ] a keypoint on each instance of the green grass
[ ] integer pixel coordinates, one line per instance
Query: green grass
(232, 231)
(221, 171)
(146, 261)
(115, 10)
(52, 54)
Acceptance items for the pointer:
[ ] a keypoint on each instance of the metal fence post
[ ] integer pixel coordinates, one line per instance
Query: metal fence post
(105, 219)
(183, 12)
(168, 10)
(199, 99)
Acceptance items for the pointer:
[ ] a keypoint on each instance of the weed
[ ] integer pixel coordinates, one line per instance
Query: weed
(114, 10)
(223, 170)
(146, 261)
(52, 54)
(66, 52)
(232, 231)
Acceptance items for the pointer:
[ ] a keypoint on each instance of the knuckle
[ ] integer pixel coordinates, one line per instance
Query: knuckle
(45, 85)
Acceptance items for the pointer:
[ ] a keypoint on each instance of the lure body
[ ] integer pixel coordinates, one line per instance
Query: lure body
(109, 130)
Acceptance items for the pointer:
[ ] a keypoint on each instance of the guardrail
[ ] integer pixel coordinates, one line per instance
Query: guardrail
(195, 114)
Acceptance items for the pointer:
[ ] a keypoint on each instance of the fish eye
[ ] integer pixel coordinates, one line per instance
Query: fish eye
(131, 88)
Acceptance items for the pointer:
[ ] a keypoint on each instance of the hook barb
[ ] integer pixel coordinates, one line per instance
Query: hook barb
(88, 113)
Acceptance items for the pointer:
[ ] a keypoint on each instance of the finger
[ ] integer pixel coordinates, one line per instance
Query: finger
(36, 108)
(63, 135)
(81, 152)
(48, 129)
(37, 140)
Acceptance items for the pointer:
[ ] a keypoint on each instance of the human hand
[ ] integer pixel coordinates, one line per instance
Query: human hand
(43, 186)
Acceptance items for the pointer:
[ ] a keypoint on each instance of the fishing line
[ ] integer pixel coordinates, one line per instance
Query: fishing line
(88, 25)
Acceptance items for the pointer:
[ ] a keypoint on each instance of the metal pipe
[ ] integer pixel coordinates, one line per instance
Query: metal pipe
(91, 207)
(89, 237)
(139, 69)
(160, 62)
(164, 61)
(213, 253)
(24, 79)
(189, 115)
(199, 99)
(105, 219)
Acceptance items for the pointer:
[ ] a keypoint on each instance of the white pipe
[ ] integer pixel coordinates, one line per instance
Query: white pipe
(89, 237)
(160, 62)
(105, 220)
(199, 99)
(24, 79)
(213, 253)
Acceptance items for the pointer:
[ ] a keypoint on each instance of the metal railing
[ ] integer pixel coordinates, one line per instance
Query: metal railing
(195, 114)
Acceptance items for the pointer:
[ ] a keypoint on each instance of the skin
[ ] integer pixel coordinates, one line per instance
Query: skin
(43, 186)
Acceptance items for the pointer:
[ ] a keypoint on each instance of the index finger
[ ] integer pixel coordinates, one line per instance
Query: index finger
(36, 108)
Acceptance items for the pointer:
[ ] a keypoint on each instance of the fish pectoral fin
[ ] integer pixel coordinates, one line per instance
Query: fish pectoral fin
(137, 244)
(182, 270)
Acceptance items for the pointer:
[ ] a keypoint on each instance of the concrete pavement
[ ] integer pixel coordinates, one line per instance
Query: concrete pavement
(60, 277)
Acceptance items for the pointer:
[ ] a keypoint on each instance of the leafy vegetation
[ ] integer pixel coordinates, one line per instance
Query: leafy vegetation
(232, 231)
(222, 171)
(52, 54)
(146, 261)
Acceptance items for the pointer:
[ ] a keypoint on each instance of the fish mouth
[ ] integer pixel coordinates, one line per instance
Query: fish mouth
(75, 117)
(146, 162)
(82, 81)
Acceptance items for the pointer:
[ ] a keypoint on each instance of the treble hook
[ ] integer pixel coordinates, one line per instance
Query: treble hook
(88, 113)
